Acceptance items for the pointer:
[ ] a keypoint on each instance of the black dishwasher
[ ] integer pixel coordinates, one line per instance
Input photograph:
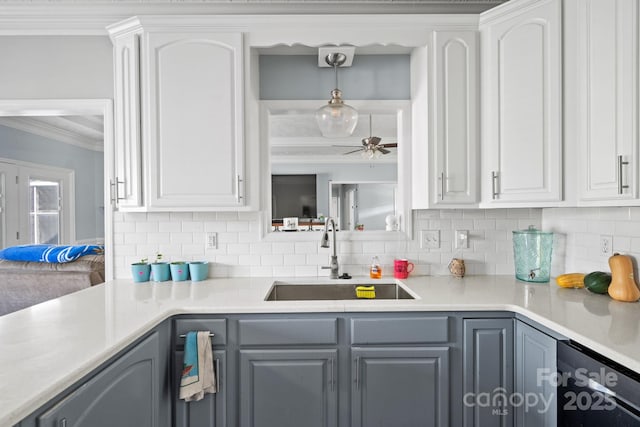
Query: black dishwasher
(595, 391)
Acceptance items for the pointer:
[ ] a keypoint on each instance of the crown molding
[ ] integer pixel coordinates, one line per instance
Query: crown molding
(87, 17)
(35, 126)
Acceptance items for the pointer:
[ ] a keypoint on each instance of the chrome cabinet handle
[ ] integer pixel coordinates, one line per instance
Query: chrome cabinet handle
(218, 385)
(63, 422)
(621, 163)
(442, 186)
(494, 185)
(112, 187)
(357, 380)
(118, 182)
(238, 195)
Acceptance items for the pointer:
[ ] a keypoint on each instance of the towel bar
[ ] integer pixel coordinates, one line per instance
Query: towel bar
(184, 336)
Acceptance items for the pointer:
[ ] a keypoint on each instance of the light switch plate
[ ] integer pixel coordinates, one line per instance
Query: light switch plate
(211, 240)
(430, 239)
(606, 245)
(462, 239)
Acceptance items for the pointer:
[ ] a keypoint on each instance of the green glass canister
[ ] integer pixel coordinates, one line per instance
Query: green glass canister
(532, 250)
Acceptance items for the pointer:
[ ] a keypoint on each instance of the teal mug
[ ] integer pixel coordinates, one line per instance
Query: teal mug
(199, 270)
(160, 272)
(140, 272)
(179, 271)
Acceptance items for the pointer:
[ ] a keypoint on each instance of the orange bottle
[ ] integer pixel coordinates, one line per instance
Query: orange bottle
(375, 272)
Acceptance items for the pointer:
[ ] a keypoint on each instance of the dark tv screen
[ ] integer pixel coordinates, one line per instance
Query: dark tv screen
(293, 196)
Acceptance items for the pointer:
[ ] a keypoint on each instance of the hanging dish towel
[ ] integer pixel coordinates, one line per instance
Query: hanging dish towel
(197, 373)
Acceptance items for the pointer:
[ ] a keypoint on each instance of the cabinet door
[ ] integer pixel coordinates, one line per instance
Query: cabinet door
(211, 410)
(127, 183)
(608, 72)
(455, 124)
(535, 363)
(522, 104)
(288, 388)
(126, 393)
(194, 132)
(400, 386)
(488, 372)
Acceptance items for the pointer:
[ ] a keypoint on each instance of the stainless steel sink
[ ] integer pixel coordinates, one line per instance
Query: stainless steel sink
(284, 291)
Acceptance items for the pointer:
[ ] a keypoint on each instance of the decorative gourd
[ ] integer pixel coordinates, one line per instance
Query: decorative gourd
(623, 285)
(597, 282)
(570, 280)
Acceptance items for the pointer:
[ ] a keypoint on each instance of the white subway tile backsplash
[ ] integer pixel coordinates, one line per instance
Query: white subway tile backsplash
(243, 252)
(169, 226)
(192, 227)
(181, 238)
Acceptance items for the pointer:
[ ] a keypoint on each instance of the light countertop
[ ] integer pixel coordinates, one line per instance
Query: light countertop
(47, 347)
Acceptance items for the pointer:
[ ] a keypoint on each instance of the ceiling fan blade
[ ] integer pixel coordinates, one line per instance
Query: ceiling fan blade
(374, 140)
(383, 150)
(389, 145)
(347, 146)
(351, 152)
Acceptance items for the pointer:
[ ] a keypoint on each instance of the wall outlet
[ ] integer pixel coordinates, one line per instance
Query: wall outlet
(462, 239)
(211, 240)
(430, 239)
(606, 245)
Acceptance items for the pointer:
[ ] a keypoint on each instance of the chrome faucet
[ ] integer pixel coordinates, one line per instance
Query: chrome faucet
(324, 243)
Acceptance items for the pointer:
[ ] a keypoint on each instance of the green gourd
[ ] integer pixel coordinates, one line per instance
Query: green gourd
(597, 282)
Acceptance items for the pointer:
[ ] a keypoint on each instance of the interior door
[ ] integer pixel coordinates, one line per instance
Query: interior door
(9, 216)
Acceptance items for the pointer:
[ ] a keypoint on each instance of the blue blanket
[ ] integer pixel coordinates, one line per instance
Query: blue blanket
(49, 253)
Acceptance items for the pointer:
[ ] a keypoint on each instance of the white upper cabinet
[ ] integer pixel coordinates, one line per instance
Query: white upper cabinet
(127, 181)
(194, 133)
(607, 112)
(522, 104)
(189, 116)
(445, 121)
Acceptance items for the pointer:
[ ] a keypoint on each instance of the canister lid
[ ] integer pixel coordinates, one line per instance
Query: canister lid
(532, 230)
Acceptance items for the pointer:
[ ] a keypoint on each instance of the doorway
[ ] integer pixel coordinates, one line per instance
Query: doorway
(101, 209)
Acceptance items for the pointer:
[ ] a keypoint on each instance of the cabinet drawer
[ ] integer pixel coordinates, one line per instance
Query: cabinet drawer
(404, 330)
(218, 327)
(288, 331)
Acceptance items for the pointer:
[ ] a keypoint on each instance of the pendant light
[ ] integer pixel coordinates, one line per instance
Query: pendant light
(336, 119)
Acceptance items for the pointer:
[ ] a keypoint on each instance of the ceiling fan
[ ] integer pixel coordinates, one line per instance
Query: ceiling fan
(371, 146)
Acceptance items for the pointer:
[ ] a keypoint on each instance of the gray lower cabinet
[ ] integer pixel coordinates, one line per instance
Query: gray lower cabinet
(288, 388)
(535, 363)
(488, 372)
(126, 393)
(400, 386)
(211, 410)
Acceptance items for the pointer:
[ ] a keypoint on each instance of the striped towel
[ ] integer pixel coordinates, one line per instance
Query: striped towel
(197, 372)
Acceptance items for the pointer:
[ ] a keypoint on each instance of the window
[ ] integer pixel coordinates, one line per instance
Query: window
(44, 211)
(37, 204)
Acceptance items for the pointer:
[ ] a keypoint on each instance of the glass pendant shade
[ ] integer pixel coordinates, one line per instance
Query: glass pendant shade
(336, 119)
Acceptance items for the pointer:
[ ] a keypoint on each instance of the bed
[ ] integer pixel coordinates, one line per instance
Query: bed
(25, 283)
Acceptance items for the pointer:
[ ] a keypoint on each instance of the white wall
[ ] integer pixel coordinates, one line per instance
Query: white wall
(41, 67)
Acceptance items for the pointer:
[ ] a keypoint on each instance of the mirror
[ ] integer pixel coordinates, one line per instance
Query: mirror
(311, 177)
(363, 205)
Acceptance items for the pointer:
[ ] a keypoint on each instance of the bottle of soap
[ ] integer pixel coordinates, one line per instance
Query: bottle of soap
(375, 272)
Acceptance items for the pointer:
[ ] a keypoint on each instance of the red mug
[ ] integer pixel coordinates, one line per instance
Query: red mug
(402, 268)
